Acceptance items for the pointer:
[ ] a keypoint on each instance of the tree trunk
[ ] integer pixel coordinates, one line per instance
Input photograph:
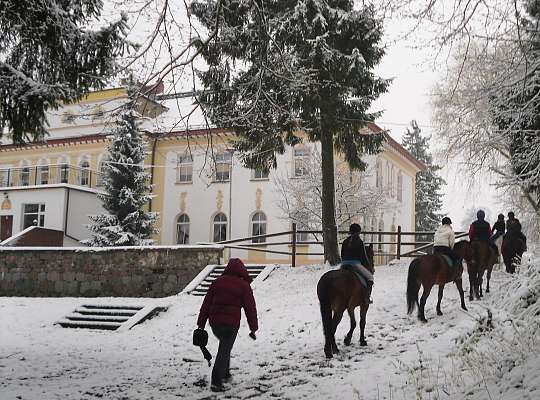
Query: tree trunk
(329, 228)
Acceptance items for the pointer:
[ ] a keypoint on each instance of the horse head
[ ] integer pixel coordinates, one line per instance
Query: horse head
(371, 256)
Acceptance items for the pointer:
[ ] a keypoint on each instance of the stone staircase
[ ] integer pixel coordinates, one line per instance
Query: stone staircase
(109, 317)
(201, 289)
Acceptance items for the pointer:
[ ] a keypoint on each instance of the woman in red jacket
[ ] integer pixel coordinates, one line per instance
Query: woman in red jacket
(222, 305)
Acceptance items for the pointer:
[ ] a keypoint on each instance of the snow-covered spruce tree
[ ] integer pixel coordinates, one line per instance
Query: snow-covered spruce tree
(127, 187)
(277, 68)
(428, 183)
(48, 56)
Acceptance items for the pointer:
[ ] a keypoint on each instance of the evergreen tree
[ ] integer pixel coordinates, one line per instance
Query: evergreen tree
(428, 183)
(280, 67)
(49, 56)
(128, 191)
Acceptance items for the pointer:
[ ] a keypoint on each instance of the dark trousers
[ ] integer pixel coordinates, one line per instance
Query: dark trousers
(447, 251)
(226, 335)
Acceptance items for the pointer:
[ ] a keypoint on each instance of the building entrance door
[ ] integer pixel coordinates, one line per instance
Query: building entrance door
(6, 226)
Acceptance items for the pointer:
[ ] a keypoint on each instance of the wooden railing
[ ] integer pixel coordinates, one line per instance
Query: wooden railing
(420, 247)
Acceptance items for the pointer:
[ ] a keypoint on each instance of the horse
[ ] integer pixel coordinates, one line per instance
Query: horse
(512, 249)
(339, 290)
(483, 259)
(430, 270)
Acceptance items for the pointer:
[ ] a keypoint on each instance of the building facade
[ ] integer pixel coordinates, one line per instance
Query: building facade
(201, 190)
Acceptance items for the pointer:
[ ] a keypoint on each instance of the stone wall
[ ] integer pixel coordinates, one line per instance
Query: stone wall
(155, 271)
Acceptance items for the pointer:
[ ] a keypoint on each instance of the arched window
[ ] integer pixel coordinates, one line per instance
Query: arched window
(84, 173)
(101, 171)
(258, 226)
(25, 174)
(43, 172)
(219, 227)
(400, 186)
(182, 229)
(63, 170)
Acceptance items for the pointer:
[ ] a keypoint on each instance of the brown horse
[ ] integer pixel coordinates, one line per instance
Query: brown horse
(430, 270)
(512, 249)
(339, 290)
(483, 259)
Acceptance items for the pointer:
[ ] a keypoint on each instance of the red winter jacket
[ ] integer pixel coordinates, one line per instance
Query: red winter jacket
(227, 295)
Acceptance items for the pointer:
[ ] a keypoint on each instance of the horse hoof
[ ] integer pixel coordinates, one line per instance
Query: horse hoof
(439, 313)
(487, 290)
(347, 342)
(465, 308)
(363, 343)
(423, 319)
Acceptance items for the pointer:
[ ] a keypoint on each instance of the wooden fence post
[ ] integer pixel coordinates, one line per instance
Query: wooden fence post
(399, 242)
(293, 249)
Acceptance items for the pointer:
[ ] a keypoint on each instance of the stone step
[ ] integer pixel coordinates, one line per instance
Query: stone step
(111, 326)
(106, 311)
(100, 318)
(217, 271)
(122, 307)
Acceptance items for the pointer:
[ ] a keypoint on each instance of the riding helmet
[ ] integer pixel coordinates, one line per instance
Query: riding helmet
(355, 228)
(500, 217)
(446, 221)
(481, 215)
(510, 215)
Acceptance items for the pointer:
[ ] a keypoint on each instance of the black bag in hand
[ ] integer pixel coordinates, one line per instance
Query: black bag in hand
(200, 339)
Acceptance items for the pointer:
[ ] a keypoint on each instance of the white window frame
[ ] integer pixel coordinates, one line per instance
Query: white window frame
(44, 174)
(40, 214)
(260, 175)
(84, 173)
(184, 168)
(222, 224)
(301, 161)
(223, 170)
(259, 224)
(185, 225)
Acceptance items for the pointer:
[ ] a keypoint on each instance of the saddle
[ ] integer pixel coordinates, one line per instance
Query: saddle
(447, 259)
(352, 268)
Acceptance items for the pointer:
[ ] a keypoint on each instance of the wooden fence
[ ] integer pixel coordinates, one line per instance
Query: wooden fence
(399, 243)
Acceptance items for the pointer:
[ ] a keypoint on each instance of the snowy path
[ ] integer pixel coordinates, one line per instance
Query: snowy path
(157, 361)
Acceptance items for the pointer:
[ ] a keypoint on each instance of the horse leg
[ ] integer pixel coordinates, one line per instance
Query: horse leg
(335, 322)
(363, 313)
(441, 290)
(471, 285)
(480, 281)
(459, 285)
(425, 295)
(348, 338)
(488, 277)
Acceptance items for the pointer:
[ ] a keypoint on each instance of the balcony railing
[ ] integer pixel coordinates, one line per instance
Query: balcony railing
(50, 174)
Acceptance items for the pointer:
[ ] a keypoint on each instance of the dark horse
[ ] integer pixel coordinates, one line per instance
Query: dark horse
(339, 290)
(512, 249)
(483, 259)
(430, 270)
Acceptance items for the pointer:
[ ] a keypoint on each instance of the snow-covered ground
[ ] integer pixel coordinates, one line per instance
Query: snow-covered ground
(404, 359)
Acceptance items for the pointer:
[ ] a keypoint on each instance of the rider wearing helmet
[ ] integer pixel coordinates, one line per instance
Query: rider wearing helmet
(443, 242)
(514, 228)
(480, 231)
(353, 253)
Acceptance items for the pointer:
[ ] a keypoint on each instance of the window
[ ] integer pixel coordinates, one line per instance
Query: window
(43, 174)
(259, 174)
(223, 166)
(182, 229)
(33, 214)
(100, 178)
(392, 182)
(84, 173)
(25, 175)
(378, 175)
(220, 228)
(64, 173)
(301, 161)
(184, 168)
(400, 186)
(4, 175)
(258, 227)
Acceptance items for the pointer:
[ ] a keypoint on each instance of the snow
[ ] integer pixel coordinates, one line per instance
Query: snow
(404, 359)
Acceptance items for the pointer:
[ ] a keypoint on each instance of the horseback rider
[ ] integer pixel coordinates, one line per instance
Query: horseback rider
(353, 253)
(480, 231)
(498, 228)
(443, 242)
(513, 228)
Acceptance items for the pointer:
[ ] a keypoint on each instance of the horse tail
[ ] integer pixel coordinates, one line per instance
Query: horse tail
(326, 307)
(412, 286)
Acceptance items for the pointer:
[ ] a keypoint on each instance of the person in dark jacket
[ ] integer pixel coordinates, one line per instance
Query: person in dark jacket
(353, 253)
(498, 228)
(222, 306)
(513, 228)
(480, 230)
